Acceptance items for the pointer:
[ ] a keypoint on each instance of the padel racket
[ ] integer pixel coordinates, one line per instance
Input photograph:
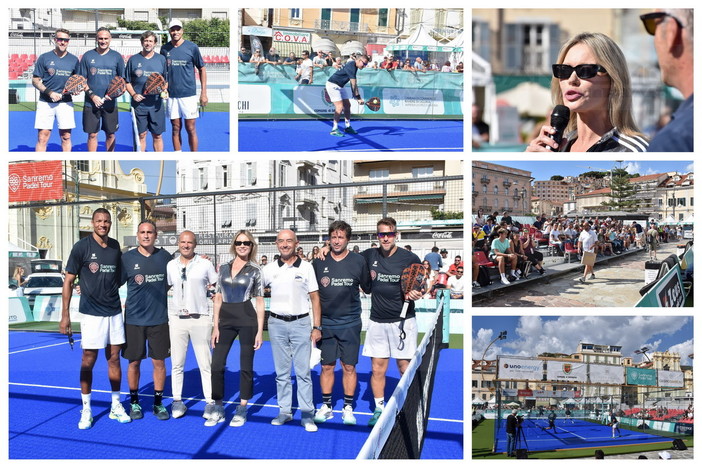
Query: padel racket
(412, 279)
(71, 341)
(116, 88)
(155, 84)
(373, 104)
(75, 84)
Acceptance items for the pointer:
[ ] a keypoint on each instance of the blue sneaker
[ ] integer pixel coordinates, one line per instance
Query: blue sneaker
(376, 415)
(336, 133)
(135, 411)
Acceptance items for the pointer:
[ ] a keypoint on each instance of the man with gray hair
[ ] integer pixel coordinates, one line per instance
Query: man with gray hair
(672, 32)
(511, 428)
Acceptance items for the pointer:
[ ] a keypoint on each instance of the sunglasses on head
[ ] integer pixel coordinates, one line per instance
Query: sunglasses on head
(387, 234)
(650, 21)
(583, 71)
(246, 243)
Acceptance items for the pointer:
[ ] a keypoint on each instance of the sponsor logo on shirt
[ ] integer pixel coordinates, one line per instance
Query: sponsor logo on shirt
(94, 267)
(136, 266)
(139, 279)
(325, 281)
(373, 274)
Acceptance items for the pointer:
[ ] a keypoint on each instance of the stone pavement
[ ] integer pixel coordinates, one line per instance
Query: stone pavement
(676, 455)
(616, 284)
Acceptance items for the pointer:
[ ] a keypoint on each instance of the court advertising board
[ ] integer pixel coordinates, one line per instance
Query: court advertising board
(636, 376)
(563, 371)
(603, 374)
(673, 379)
(35, 181)
(519, 368)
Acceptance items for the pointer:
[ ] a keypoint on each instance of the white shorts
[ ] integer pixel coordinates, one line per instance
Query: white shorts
(97, 332)
(185, 107)
(337, 93)
(383, 339)
(60, 111)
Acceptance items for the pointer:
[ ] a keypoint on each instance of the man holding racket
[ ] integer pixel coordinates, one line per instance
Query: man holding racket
(339, 95)
(99, 66)
(148, 111)
(383, 336)
(51, 71)
(182, 58)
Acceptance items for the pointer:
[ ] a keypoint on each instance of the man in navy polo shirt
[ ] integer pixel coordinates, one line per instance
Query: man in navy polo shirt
(99, 66)
(95, 260)
(339, 276)
(339, 95)
(146, 316)
(51, 71)
(294, 293)
(182, 58)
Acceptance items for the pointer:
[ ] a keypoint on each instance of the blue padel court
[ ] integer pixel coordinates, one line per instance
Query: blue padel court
(373, 135)
(44, 409)
(212, 129)
(573, 434)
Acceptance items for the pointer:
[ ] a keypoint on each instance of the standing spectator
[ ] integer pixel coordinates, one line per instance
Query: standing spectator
(340, 276)
(457, 262)
(99, 66)
(446, 67)
(272, 57)
(294, 292)
(290, 59)
(419, 65)
(444, 261)
(319, 60)
(95, 261)
(239, 284)
(51, 71)
(653, 242)
(190, 320)
(244, 55)
(587, 242)
(306, 72)
(674, 41)
(182, 59)
(434, 259)
(389, 64)
(511, 429)
(149, 111)
(338, 63)
(146, 316)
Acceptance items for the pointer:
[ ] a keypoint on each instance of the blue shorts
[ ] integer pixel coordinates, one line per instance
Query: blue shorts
(342, 343)
(151, 117)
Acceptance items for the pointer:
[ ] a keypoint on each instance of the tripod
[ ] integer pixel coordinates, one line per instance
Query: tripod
(520, 439)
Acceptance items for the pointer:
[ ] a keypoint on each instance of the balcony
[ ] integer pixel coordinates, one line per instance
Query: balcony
(507, 183)
(341, 26)
(484, 180)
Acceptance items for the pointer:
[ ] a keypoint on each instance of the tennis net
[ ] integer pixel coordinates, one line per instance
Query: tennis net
(399, 432)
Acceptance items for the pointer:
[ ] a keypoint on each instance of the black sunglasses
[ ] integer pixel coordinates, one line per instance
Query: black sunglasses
(246, 243)
(650, 21)
(387, 234)
(583, 71)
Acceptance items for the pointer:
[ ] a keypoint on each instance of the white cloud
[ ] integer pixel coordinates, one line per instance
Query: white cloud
(632, 167)
(684, 349)
(690, 167)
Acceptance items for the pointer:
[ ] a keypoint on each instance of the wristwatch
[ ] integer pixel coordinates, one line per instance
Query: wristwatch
(317, 328)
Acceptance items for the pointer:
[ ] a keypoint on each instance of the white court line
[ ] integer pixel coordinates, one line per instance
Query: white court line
(77, 389)
(43, 347)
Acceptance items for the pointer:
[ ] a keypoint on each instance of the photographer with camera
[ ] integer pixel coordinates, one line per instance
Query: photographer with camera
(513, 424)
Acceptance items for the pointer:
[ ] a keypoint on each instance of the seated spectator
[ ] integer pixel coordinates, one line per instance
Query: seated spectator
(456, 284)
(480, 218)
(501, 253)
(457, 263)
(489, 225)
(529, 246)
(407, 65)
(459, 67)
(433, 67)
(516, 246)
(555, 237)
(389, 64)
(446, 68)
(445, 264)
(476, 271)
(429, 279)
(478, 238)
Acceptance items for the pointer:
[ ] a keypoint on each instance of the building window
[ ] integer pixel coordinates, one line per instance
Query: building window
(326, 18)
(531, 48)
(202, 178)
(418, 172)
(82, 166)
(222, 176)
(485, 189)
(382, 17)
(296, 13)
(379, 174)
(248, 174)
(494, 190)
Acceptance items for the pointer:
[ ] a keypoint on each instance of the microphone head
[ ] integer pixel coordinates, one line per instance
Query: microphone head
(560, 117)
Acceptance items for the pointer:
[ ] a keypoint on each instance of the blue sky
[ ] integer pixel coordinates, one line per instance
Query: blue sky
(151, 170)
(531, 335)
(543, 170)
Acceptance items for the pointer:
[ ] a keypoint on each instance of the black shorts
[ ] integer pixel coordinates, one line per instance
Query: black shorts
(151, 117)
(342, 343)
(137, 336)
(93, 115)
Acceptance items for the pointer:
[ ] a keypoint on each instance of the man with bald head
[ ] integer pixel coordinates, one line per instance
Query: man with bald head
(673, 38)
(294, 294)
(190, 319)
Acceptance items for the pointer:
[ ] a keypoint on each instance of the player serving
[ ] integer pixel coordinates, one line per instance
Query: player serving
(339, 95)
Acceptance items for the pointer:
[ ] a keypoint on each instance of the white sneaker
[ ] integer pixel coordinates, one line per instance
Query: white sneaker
(323, 413)
(178, 409)
(86, 419)
(117, 412)
(281, 419)
(239, 417)
(347, 415)
(504, 280)
(216, 417)
(308, 423)
(209, 408)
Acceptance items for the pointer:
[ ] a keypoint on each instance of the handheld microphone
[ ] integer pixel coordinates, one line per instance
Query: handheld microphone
(559, 120)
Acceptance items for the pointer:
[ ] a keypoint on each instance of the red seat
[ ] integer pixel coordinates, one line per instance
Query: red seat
(483, 260)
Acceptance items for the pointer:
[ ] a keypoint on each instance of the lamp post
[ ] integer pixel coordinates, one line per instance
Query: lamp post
(501, 336)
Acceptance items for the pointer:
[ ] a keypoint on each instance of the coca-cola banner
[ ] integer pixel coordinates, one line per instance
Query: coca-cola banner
(35, 181)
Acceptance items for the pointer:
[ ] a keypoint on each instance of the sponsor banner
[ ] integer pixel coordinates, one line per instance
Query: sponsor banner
(19, 310)
(519, 369)
(602, 374)
(256, 31)
(509, 392)
(636, 376)
(566, 371)
(254, 99)
(668, 292)
(35, 181)
(673, 379)
(544, 393)
(413, 101)
(524, 392)
(295, 37)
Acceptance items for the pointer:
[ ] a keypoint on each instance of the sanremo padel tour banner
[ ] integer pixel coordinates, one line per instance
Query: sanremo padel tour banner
(519, 368)
(636, 376)
(561, 371)
(673, 379)
(603, 374)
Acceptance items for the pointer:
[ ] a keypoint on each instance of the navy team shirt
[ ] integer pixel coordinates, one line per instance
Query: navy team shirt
(54, 71)
(147, 285)
(98, 271)
(181, 62)
(338, 289)
(387, 298)
(99, 71)
(138, 70)
(344, 74)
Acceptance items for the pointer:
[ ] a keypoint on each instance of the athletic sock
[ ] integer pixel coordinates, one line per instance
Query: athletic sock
(85, 398)
(335, 126)
(327, 399)
(158, 397)
(379, 402)
(348, 400)
(347, 122)
(134, 396)
(115, 398)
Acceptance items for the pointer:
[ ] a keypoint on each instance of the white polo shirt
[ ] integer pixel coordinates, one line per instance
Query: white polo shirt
(290, 285)
(190, 294)
(588, 239)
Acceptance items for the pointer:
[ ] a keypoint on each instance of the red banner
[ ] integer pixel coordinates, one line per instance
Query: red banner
(35, 181)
